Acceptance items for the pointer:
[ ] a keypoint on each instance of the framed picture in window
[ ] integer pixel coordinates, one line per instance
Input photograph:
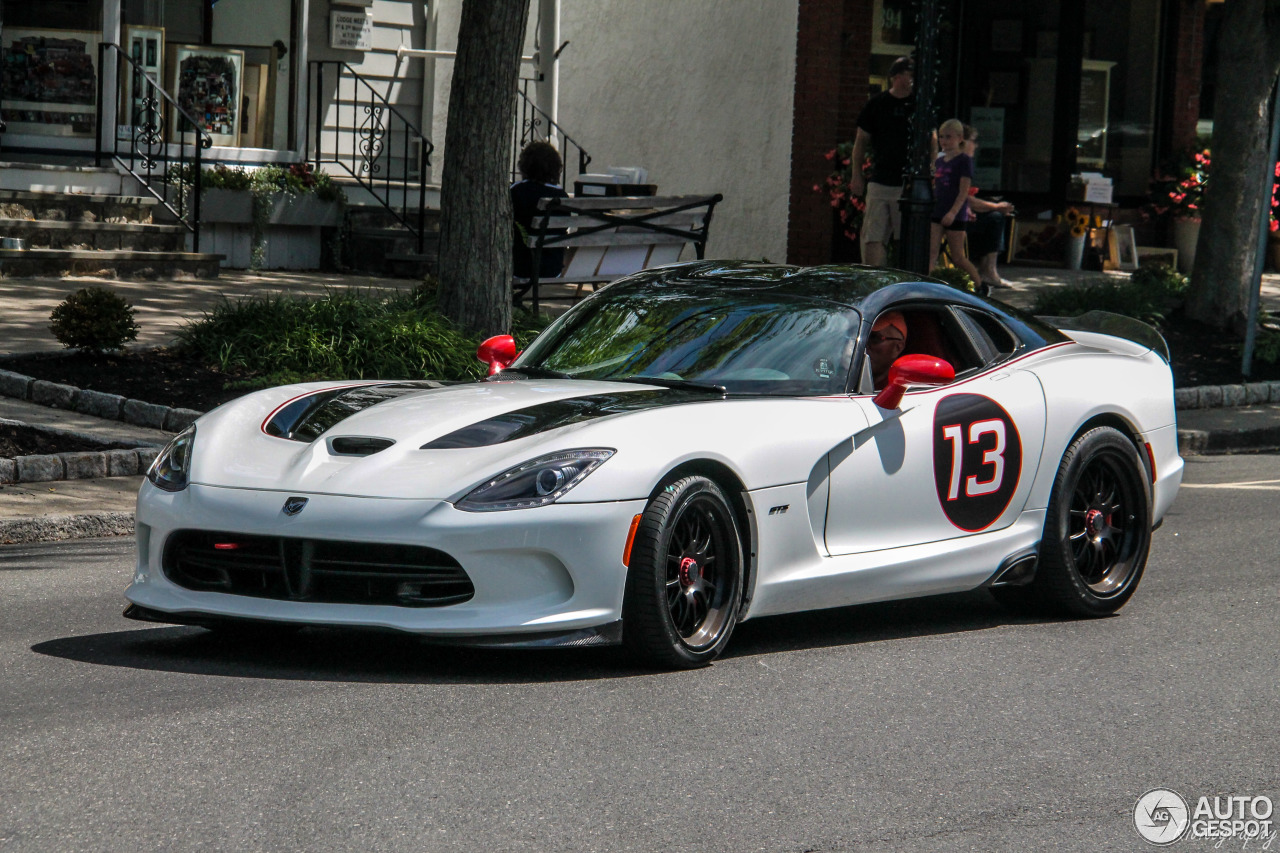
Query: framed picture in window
(50, 81)
(207, 83)
(1123, 248)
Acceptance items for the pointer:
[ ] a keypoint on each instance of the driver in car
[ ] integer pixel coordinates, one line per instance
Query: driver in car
(886, 342)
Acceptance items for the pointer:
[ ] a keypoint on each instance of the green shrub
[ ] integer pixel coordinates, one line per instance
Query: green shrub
(1148, 297)
(94, 319)
(343, 335)
(1159, 278)
(954, 276)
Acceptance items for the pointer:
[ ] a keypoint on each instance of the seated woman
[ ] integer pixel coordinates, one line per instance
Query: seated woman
(987, 225)
(539, 166)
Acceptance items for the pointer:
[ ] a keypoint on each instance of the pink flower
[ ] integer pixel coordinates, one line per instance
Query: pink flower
(830, 155)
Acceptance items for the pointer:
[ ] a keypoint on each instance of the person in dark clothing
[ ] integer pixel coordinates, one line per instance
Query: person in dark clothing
(539, 166)
(986, 225)
(884, 132)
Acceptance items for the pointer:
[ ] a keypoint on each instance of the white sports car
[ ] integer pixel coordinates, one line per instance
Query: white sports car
(690, 447)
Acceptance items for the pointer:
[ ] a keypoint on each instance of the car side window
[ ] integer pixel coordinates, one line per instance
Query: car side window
(993, 340)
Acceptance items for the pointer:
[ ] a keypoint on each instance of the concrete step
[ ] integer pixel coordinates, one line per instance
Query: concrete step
(76, 207)
(53, 263)
(44, 177)
(391, 251)
(130, 236)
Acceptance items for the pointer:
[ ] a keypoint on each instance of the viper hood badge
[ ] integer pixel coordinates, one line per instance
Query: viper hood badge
(294, 505)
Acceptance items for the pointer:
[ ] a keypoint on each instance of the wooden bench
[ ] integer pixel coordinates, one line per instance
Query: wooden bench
(607, 238)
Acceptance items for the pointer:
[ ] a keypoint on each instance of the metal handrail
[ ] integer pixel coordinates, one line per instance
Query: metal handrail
(531, 119)
(368, 143)
(149, 157)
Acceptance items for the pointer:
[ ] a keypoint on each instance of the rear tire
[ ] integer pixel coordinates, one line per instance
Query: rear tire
(684, 586)
(1097, 533)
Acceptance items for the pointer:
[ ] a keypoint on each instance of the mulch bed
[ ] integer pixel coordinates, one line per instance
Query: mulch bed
(1201, 356)
(162, 376)
(28, 441)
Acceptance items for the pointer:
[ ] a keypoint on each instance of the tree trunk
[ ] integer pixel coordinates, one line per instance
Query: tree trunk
(1249, 61)
(475, 207)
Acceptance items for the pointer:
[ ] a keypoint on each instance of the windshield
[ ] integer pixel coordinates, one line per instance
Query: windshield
(750, 342)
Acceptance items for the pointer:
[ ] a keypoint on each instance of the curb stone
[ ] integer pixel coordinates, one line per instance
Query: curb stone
(96, 403)
(1199, 442)
(20, 531)
(76, 465)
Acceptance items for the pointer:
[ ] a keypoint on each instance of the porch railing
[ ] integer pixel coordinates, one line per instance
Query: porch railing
(167, 170)
(534, 124)
(357, 131)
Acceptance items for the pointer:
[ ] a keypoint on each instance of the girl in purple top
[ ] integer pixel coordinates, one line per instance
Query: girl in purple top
(952, 175)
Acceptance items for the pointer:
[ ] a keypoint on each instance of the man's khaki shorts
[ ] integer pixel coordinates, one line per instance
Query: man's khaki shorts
(882, 218)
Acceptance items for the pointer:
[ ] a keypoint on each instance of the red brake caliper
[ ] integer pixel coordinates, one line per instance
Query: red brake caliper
(688, 572)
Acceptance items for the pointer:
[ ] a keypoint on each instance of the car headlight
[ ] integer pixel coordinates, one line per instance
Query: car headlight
(172, 468)
(535, 483)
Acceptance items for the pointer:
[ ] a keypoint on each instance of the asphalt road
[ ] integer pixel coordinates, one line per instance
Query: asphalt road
(939, 724)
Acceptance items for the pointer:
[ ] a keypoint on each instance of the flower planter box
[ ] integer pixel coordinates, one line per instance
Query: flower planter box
(292, 235)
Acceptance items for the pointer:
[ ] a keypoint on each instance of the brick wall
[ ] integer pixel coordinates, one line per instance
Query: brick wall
(1188, 44)
(833, 49)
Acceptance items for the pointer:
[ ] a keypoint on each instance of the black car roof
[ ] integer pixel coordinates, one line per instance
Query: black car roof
(869, 290)
(844, 284)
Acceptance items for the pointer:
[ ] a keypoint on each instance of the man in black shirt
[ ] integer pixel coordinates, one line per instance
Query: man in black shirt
(884, 131)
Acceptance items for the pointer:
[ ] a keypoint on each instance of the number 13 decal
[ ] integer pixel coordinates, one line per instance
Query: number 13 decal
(977, 459)
(993, 457)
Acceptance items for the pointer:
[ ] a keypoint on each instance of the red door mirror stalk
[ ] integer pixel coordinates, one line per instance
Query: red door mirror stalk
(913, 370)
(497, 352)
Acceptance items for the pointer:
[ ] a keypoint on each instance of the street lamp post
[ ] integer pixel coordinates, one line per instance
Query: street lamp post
(917, 201)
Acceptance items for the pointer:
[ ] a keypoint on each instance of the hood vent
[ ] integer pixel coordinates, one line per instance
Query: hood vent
(357, 445)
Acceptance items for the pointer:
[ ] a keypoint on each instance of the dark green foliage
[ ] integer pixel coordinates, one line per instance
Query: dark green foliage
(1150, 294)
(94, 319)
(1161, 279)
(954, 276)
(1266, 347)
(343, 335)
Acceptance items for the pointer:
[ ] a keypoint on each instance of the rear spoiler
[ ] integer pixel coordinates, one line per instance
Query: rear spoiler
(1116, 325)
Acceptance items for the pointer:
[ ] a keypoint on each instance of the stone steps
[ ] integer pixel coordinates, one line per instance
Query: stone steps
(84, 236)
(76, 207)
(98, 234)
(55, 263)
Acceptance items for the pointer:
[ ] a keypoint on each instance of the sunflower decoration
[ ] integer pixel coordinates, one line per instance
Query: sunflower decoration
(1080, 227)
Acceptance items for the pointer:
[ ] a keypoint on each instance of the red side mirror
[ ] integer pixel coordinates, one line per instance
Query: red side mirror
(913, 370)
(497, 352)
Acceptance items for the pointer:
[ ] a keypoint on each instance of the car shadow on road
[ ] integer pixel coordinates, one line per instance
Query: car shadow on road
(316, 654)
(871, 623)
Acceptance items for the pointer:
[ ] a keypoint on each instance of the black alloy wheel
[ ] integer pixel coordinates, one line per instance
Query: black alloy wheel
(1098, 529)
(684, 586)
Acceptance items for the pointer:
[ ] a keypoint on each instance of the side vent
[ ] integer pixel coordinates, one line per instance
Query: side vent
(357, 445)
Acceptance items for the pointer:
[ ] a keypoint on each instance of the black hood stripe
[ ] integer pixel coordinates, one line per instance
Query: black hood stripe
(523, 423)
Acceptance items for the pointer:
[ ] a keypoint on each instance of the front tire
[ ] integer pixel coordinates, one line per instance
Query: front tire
(1098, 530)
(684, 586)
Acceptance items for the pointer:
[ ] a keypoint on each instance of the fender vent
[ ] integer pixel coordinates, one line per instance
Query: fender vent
(358, 445)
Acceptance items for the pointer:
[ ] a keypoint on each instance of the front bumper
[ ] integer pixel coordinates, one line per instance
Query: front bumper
(541, 573)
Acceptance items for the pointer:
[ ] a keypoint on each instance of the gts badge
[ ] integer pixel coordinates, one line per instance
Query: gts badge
(779, 510)
(294, 505)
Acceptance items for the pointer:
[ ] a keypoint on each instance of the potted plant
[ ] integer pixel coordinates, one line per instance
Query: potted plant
(1179, 196)
(847, 206)
(247, 214)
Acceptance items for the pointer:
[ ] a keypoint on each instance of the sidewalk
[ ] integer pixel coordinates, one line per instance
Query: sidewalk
(66, 509)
